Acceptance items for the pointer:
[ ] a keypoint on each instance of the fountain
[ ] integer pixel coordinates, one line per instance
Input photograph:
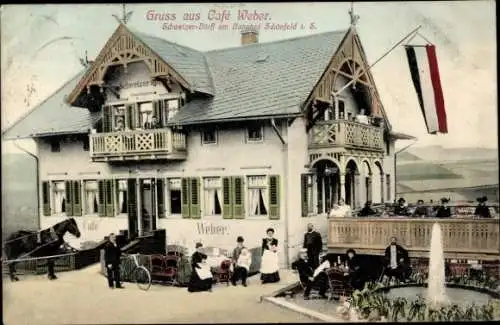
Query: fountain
(436, 286)
(438, 293)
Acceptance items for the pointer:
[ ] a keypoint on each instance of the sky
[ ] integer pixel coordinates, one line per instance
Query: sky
(42, 46)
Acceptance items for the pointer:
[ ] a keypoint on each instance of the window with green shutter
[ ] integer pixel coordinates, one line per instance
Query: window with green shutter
(77, 198)
(68, 204)
(160, 193)
(238, 203)
(195, 210)
(107, 119)
(303, 194)
(46, 198)
(227, 198)
(185, 198)
(133, 223)
(274, 197)
(109, 198)
(101, 203)
(130, 116)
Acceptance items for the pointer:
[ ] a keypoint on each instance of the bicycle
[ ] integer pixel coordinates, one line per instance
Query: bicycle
(130, 269)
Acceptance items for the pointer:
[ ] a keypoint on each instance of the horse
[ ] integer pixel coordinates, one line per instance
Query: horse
(46, 242)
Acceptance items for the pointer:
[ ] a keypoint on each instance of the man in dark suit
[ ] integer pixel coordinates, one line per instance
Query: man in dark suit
(307, 278)
(314, 244)
(112, 254)
(396, 261)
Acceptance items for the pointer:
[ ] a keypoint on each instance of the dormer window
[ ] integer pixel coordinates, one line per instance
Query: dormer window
(145, 115)
(209, 136)
(255, 133)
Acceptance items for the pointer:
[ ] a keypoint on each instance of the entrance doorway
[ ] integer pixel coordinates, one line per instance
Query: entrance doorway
(351, 175)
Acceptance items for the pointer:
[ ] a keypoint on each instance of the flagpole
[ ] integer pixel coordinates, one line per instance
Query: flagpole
(334, 94)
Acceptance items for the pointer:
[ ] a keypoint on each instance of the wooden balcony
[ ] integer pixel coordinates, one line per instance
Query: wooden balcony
(476, 239)
(138, 145)
(343, 133)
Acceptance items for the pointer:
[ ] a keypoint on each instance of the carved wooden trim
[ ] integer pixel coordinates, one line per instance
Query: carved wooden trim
(124, 48)
(350, 51)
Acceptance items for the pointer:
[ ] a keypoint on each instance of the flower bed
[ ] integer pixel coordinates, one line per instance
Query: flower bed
(370, 304)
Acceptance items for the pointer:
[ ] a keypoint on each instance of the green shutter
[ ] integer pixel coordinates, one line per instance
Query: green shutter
(77, 198)
(130, 116)
(157, 112)
(227, 198)
(303, 191)
(164, 112)
(132, 208)
(46, 198)
(238, 196)
(137, 116)
(101, 207)
(109, 198)
(185, 195)
(195, 210)
(68, 187)
(160, 190)
(107, 122)
(274, 197)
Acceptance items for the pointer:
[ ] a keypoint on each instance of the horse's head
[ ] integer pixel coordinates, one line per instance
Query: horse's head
(72, 228)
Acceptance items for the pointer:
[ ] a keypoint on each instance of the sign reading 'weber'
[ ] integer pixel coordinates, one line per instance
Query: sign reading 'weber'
(211, 229)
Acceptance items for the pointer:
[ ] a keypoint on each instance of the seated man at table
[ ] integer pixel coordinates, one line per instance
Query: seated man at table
(354, 270)
(396, 261)
(307, 278)
(367, 210)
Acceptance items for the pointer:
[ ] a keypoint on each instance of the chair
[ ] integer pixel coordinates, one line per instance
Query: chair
(223, 273)
(338, 283)
(165, 267)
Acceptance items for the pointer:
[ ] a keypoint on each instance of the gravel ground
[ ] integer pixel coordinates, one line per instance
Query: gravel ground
(83, 297)
(319, 305)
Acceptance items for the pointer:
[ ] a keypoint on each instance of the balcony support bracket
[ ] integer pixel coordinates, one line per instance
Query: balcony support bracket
(275, 128)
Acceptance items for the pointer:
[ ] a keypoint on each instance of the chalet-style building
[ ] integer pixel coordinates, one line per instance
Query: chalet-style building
(212, 145)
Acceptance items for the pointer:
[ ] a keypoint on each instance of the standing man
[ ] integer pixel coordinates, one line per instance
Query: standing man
(314, 244)
(237, 272)
(112, 254)
(396, 259)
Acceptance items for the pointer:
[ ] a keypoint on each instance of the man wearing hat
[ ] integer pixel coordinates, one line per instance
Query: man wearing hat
(367, 210)
(401, 209)
(443, 211)
(482, 210)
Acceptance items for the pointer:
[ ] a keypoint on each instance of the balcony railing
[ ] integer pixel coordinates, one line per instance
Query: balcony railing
(342, 133)
(462, 238)
(138, 144)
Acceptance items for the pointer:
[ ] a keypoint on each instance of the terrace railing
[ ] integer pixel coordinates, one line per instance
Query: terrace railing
(462, 238)
(343, 133)
(138, 144)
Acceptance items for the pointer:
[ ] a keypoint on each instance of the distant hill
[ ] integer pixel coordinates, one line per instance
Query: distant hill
(19, 196)
(436, 168)
(438, 153)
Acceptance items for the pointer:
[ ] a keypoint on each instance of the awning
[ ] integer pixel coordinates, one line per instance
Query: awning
(401, 136)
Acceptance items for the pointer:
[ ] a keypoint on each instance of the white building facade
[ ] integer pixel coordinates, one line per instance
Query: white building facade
(156, 135)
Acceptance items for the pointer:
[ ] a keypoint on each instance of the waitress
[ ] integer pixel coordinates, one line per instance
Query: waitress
(269, 268)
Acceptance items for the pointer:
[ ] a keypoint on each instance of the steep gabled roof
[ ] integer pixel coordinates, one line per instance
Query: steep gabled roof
(190, 63)
(53, 116)
(251, 81)
(263, 79)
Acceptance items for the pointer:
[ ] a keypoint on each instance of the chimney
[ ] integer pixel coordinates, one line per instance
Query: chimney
(249, 37)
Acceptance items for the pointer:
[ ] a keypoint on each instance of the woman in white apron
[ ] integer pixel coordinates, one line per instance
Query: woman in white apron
(269, 265)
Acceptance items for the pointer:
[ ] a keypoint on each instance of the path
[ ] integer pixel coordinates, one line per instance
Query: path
(83, 297)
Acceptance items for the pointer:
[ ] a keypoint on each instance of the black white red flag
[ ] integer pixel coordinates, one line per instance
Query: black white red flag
(425, 74)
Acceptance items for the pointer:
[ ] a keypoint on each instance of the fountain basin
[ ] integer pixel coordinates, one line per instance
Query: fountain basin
(458, 294)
